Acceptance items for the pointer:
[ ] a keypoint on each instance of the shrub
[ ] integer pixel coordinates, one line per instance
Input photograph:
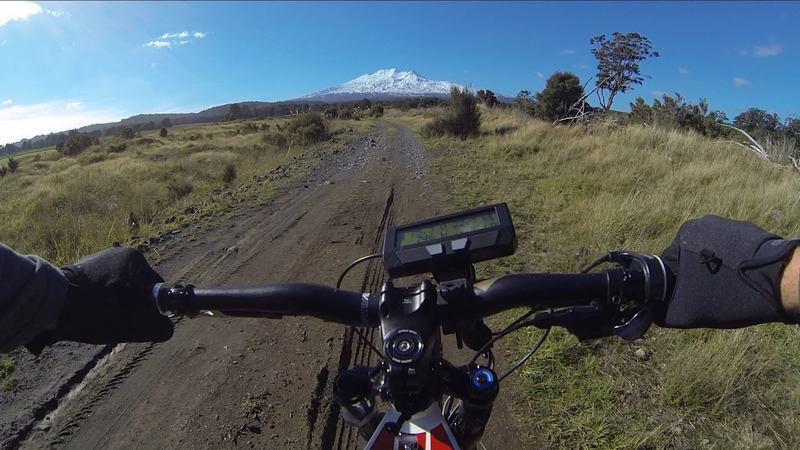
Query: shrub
(376, 110)
(461, 118)
(563, 89)
(229, 174)
(276, 138)
(345, 113)
(308, 128)
(676, 113)
(3, 171)
(487, 97)
(13, 165)
(163, 133)
(179, 188)
(117, 148)
(126, 133)
(76, 143)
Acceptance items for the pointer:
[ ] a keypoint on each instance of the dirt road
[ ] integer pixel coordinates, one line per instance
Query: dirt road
(225, 383)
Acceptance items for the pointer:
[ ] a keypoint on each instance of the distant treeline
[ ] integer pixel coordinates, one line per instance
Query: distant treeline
(234, 111)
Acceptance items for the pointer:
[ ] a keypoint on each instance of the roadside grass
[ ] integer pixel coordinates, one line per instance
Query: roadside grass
(575, 194)
(64, 207)
(6, 372)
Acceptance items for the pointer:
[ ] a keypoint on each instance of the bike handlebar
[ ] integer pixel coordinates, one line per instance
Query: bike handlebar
(361, 309)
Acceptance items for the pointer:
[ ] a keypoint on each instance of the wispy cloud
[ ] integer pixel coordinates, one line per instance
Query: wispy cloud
(158, 44)
(658, 93)
(182, 34)
(12, 11)
(740, 82)
(168, 40)
(7, 101)
(683, 71)
(540, 74)
(56, 13)
(763, 51)
(25, 121)
(568, 51)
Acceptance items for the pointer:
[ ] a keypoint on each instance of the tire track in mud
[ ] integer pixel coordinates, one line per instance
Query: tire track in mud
(335, 430)
(70, 424)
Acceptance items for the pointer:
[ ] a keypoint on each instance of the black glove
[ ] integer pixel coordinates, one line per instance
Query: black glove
(728, 275)
(108, 302)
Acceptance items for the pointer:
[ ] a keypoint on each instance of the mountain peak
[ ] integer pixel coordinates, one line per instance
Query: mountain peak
(387, 82)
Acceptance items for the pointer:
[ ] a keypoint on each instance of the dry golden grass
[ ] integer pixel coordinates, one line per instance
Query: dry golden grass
(64, 207)
(576, 194)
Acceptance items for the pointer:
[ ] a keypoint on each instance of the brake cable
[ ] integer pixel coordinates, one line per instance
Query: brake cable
(520, 323)
(360, 333)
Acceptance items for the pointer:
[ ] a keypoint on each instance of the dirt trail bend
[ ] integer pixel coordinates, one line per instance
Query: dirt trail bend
(242, 383)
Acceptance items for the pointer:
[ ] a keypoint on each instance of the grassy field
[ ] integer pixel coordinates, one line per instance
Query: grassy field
(63, 207)
(41, 152)
(576, 194)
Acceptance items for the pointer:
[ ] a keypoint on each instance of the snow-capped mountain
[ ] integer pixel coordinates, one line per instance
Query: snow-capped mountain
(385, 83)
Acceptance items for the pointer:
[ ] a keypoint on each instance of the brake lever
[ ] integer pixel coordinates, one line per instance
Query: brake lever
(581, 321)
(637, 325)
(595, 321)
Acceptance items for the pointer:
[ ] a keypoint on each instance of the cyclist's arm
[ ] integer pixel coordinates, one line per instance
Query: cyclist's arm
(790, 285)
(32, 293)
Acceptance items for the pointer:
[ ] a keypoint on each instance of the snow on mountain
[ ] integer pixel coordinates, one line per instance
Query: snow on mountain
(386, 83)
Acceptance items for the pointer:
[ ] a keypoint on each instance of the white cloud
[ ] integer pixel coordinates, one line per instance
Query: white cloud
(763, 51)
(658, 93)
(25, 121)
(540, 74)
(740, 82)
(182, 34)
(56, 12)
(568, 51)
(7, 101)
(158, 44)
(11, 11)
(167, 40)
(683, 70)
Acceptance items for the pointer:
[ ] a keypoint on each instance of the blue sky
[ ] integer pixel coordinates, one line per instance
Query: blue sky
(70, 64)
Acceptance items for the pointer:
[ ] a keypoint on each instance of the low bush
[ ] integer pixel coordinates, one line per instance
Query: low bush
(461, 118)
(179, 188)
(308, 128)
(13, 165)
(229, 174)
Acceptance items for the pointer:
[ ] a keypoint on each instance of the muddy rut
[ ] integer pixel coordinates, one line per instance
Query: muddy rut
(250, 383)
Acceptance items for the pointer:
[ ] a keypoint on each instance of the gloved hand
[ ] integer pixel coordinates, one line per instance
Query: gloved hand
(728, 275)
(108, 302)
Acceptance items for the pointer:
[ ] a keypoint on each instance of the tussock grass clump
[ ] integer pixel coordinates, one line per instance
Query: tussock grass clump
(576, 194)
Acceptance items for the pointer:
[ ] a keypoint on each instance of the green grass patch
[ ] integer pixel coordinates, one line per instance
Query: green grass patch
(6, 372)
(575, 194)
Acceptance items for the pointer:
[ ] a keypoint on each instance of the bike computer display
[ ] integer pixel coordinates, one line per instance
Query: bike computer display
(449, 242)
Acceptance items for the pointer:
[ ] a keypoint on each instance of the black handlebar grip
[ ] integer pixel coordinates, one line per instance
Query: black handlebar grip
(291, 299)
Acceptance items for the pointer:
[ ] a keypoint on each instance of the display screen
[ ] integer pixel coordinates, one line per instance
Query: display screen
(439, 230)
